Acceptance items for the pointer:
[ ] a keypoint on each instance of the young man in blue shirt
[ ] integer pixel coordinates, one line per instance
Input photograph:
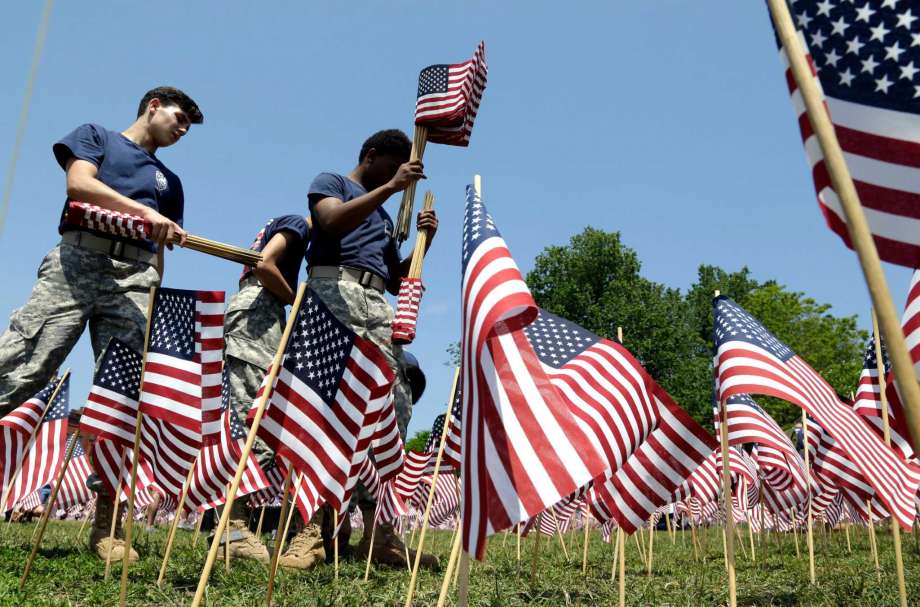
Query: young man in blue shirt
(353, 259)
(96, 278)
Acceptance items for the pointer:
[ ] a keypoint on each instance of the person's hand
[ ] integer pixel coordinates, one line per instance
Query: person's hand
(427, 220)
(163, 230)
(409, 172)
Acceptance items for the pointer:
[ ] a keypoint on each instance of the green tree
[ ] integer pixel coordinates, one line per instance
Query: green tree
(418, 441)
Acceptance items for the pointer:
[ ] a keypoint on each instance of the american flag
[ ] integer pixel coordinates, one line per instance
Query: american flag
(387, 445)
(868, 402)
(449, 96)
(407, 304)
(216, 466)
(704, 484)
(749, 423)
(451, 458)
(910, 324)
(181, 390)
(111, 408)
(867, 61)
(19, 425)
(446, 499)
(274, 475)
(749, 359)
(73, 489)
(42, 462)
(523, 450)
(106, 220)
(390, 505)
(408, 479)
(325, 406)
(29, 502)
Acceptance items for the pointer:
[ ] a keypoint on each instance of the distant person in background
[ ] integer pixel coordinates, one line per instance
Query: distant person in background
(94, 278)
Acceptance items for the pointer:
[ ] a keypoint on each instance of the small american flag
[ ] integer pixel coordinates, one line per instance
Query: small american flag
(449, 96)
(868, 402)
(217, 462)
(446, 500)
(21, 423)
(181, 390)
(105, 220)
(407, 304)
(325, 406)
(408, 479)
(74, 491)
(749, 359)
(111, 408)
(450, 460)
(523, 450)
(274, 476)
(43, 461)
(390, 505)
(867, 62)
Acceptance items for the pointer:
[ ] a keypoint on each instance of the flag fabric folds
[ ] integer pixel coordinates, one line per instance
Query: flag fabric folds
(405, 318)
(523, 451)
(449, 96)
(74, 491)
(331, 389)
(749, 359)
(870, 94)
(868, 401)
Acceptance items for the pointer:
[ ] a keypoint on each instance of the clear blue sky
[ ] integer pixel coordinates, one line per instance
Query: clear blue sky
(668, 121)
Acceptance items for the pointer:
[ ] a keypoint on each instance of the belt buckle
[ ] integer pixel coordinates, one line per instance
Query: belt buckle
(365, 279)
(117, 249)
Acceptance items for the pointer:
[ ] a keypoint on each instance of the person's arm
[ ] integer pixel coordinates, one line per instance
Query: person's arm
(426, 220)
(82, 185)
(338, 217)
(267, 270)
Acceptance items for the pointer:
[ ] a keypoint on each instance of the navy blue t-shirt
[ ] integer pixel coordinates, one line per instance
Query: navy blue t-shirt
(295, 251)
(128, 169)
(369, 246)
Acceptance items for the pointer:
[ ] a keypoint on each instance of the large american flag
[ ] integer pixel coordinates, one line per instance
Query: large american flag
(217, 462)
(749, 359)
(19, 425)
(110, 412)
(74, 491)
(181, 388)
(42, 462)
(326, 403)
(867, 59)
(523, 450)
(449, 96)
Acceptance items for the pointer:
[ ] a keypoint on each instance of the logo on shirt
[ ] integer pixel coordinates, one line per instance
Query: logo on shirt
(162, 184)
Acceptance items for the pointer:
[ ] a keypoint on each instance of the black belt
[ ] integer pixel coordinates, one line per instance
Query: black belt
(112, 248)
(363, 277)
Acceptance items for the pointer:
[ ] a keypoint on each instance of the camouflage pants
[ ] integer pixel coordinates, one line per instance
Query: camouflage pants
(368, 314)
(253, 326)
(75, 286)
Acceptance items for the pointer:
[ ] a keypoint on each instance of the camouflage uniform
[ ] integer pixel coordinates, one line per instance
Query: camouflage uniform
(369, 315)
(75, 286)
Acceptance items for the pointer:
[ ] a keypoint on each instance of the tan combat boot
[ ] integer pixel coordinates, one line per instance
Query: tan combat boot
(99, 535)
(305, 550)
(388, 549)
(244, 544)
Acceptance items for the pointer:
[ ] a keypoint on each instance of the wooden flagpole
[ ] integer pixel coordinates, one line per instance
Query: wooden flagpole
(226, 546)
(536, 550)
(640, 545)
(421, 241)
(846, 529)
(175, 525)
(751, 535)
(651, 543)
(621, 548)
(795, 532)
(197, 529)
(370, 552)
(872, 544)
(404, 218)
(518, 533)
(135, 455)
(696, 553)
(811, 540)
(115, 505)
(565, 551)
(451, 564)
(672, 531)
(280, 533)
(727, 498)
(335, 542)
(247, 448)
(30, 442)
(89, 512)
(857, 226)
(434, 479)
(43, 523)
(616, 551)
(584, 549)
(259, 524)
(886, 426)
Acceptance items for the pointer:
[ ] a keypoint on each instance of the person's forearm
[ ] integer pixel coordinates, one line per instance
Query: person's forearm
(271, 278)
(89, 189)
(346, 216)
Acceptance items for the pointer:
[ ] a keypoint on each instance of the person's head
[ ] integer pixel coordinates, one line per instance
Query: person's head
(167, 114)
(381, 156)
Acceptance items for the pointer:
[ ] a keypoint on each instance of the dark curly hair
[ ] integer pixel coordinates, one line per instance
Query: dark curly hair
(389, 142)
(169, 95)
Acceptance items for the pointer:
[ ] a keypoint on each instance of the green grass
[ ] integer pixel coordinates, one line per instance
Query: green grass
(66, 573)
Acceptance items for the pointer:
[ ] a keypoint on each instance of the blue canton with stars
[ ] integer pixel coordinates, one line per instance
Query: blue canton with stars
(173, 330)
(61, 405)
(435, 436)
(433, 79)
(319, 347)
(477, 225)
(733, 323)
(744, 399)
(869, 359)
(868, 54)
(556, 340)
(120, 370)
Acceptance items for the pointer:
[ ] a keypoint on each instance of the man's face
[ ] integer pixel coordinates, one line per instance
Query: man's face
(381, 168)
(167, 123)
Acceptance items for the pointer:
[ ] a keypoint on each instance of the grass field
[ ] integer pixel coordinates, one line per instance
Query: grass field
(66, 573)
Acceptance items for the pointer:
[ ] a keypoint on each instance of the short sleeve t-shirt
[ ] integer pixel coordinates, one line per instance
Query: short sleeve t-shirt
(369, 246)
(128, 169)
(294, 254)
